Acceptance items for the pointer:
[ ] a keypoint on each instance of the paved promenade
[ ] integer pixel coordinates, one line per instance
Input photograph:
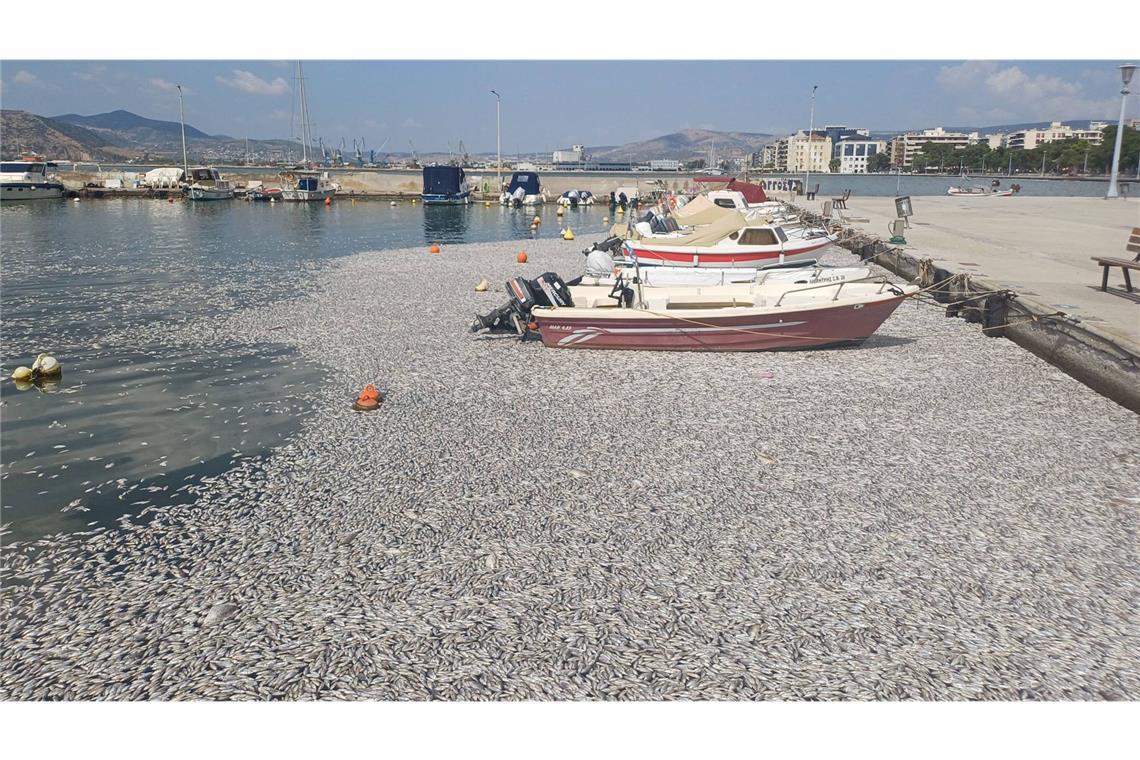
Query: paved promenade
(1038, 246)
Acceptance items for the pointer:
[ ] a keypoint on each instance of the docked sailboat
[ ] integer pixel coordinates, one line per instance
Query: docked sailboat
(28, 180)
(206, 184)
(445, 185)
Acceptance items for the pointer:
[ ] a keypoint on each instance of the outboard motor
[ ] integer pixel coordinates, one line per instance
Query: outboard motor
(622, 201)
(517, 197)
(610, 245)
(548, 289)
(574, 197)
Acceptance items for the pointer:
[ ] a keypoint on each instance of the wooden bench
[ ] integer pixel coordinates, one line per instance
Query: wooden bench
(841, 202)
(1107, 262)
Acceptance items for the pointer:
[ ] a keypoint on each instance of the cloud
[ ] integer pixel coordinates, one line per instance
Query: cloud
(989, 90)
(164, 86)
(247, 81)
(25, 77)
(411, 123)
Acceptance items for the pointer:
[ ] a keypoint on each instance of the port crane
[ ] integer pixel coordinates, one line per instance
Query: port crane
(415, 158)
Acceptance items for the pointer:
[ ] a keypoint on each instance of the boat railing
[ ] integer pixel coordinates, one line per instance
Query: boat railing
(837, 285)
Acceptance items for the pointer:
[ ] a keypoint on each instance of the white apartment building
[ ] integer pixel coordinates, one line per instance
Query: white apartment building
(810, 153)
(571, 156)
(1028, 139)
(853, 154)
(904, 147)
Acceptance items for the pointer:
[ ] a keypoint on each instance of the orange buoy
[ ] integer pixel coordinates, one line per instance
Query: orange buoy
(521, 258)
(532, 325)
(537, 220)
(328, 201)
(434, 248)
(368, 400)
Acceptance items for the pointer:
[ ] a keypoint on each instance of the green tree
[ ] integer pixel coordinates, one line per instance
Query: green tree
(879, 162)
(1100, 156)
(833, 166)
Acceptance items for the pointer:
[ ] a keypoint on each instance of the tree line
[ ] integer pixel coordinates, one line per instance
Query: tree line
(1062, 157)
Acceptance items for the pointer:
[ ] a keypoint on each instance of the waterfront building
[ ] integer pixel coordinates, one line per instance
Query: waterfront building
(1028, 139)
(837, 133)
(665, 165)
(854, 152)
(573, 156)
(904, 147)
(809, 152)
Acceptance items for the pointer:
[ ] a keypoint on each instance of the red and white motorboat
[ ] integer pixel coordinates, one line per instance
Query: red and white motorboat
(732, 240)
(722, 318)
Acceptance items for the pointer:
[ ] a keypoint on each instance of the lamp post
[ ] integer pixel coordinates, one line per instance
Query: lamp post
(811, 129)
(498, 141)
(1126, 72)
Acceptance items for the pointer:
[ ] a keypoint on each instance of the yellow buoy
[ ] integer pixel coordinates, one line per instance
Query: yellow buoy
(486, 204)
(46, 366)
(22, 374)
(560, 211)
(568, 234)
(605, 220)
(620, 211)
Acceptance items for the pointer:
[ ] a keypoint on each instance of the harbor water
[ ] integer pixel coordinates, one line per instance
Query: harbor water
(140, 418)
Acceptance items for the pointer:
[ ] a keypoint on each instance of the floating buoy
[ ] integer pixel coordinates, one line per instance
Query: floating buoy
(605, 220)
(434, 248)
(368, 400)
(22, 374)
(521, 258)
(620, 211)
(46, 366)
(328, 201)
(536, 221)
(559, 212)
(486, 204)
(482, 286)
(392, 203)
(567, 234)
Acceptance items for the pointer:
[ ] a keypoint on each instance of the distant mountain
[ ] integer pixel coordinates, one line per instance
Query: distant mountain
(685, 145)
(23, 131)
(137, 129)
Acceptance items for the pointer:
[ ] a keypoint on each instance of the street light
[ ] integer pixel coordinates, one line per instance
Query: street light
(498, 141)
(811, 129)
(1126, 72)
(182, 121)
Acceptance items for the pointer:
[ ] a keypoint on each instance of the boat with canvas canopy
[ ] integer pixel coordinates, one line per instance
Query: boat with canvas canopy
(445, 185)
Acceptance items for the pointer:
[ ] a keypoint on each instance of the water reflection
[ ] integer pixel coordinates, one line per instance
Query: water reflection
(446, 224)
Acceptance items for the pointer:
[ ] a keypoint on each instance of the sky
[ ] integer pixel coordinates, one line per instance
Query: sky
(554, 104)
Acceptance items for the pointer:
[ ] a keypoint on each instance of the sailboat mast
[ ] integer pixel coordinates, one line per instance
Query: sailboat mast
(182, 121)
(304, 117)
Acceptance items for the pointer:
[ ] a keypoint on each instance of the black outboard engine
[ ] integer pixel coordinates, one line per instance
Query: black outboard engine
(622, 201)
(610, 245)
(548, 289)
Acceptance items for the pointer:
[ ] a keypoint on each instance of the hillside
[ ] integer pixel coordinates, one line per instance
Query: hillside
(139, 129)
(685, 144)
(23, 131)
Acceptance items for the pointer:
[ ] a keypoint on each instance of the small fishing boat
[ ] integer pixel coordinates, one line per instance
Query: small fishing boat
(306, 186)
(752, 317)
(206, 184)
(264, 194)
(732, 240)
(523, 190)
(445, 185)
(28, 179)
(977, 191)
(696, 276)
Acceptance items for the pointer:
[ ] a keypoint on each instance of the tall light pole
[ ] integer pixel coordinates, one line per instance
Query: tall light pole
(182, 121)
(811, 129)
(498, 141)
(1125, 76)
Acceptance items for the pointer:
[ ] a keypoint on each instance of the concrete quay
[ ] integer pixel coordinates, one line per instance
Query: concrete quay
(1039, 247)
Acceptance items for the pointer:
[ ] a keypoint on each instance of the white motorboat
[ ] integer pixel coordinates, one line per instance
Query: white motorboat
(576, 198)
(28, 180)
(206, 184)
(306, 186)
(655, 277)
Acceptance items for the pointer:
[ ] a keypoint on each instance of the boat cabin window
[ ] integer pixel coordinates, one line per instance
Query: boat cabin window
(307, 183)
(21, 167)
(725, 203)
(200, 175)
(783, 236)
(758, 236)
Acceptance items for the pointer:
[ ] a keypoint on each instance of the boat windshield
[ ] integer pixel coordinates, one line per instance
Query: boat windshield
(200, 175)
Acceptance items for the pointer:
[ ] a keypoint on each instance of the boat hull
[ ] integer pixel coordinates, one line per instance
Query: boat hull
(459, 199)
(735, 329)
(209, 194)
(740, 256)
(30, 191)
(306, 196)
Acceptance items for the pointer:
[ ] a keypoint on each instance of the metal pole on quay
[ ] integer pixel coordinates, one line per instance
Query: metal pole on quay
(1126, 72)
(811, 129)
(498, 142)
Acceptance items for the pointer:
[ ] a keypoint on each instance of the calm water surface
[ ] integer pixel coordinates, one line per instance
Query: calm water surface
(140, 419)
